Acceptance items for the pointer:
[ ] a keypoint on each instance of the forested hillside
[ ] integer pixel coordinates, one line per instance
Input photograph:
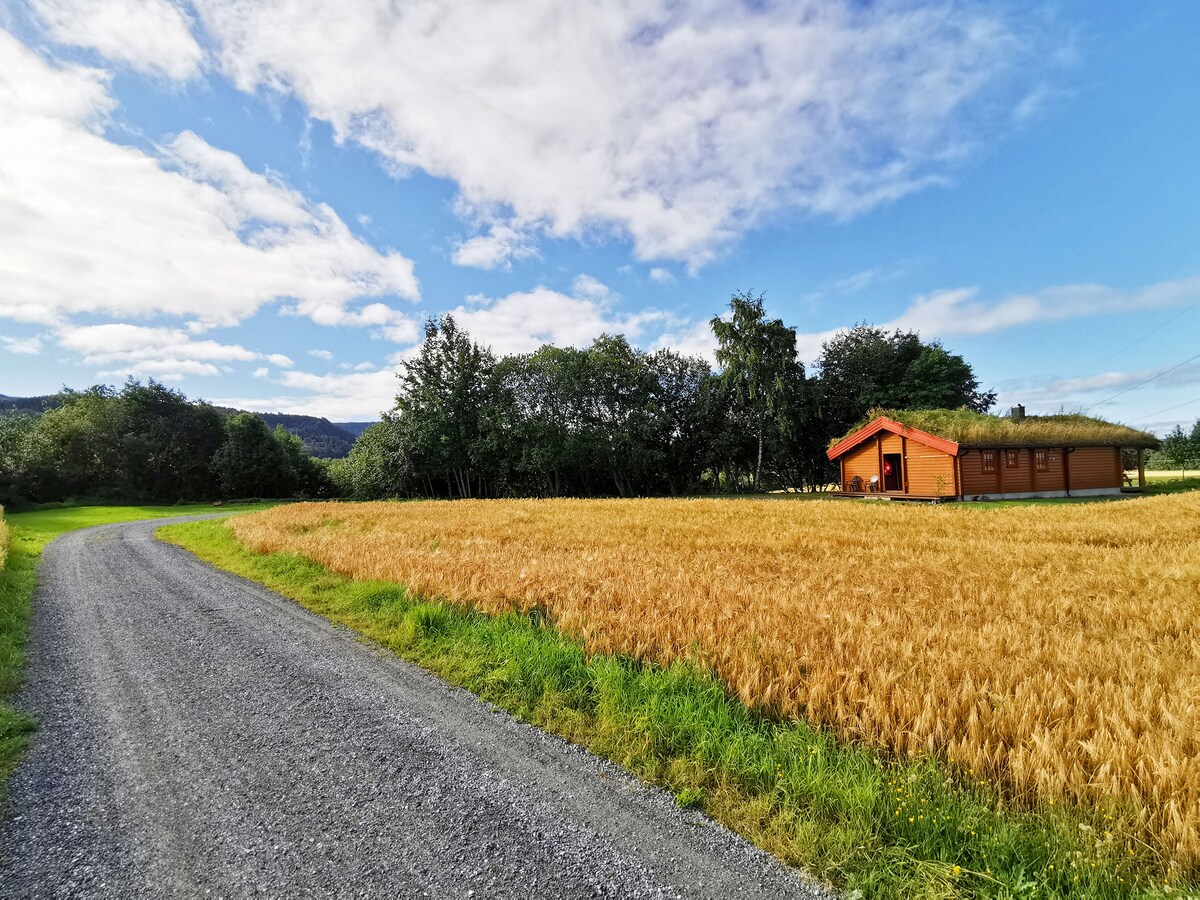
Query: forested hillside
(147, 443)
(321, 438)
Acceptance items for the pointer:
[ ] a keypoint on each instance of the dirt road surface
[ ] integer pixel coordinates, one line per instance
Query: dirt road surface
(202, 736)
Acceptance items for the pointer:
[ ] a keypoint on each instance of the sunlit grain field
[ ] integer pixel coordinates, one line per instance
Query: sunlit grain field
(1053, 650)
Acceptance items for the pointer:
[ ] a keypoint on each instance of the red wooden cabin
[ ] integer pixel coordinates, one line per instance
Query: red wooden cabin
(992, 457)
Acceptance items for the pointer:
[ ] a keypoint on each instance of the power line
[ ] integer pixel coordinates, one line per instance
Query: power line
(1169, 409)
(1144, 381)
(1157, 327)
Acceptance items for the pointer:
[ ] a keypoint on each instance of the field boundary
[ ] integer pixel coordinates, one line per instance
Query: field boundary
(889, 828)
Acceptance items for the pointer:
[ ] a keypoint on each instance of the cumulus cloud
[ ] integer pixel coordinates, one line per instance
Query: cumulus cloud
(525, 320)
(90, 226)
(386, 321)
(660, 275)
(696, 339)
(676, 125)
(152, 36)
(496, 249)
(30, 346)
(168, 353)
(962, 312)
(359, 396)
(321, 354)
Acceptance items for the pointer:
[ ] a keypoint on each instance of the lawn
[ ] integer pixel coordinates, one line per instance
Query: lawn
(906, 699)
(27, 534)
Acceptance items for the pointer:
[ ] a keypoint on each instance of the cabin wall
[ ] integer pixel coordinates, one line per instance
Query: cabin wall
(924, 465)
(1018, 478)
(862, 461)
(1095, 467)
(892, 443)
(1055, 478)
(1091, 468)
(974, 479)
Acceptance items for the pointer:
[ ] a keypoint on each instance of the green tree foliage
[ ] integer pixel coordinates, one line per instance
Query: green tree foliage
(143, 443)
(1179, 449)
(609, 419)
(255, 461)
(868, 367)
(760, 368)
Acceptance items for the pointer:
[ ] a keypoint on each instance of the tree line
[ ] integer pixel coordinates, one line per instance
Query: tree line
(1180, 449)
(147, 442)
(603, 420)
(609, 419)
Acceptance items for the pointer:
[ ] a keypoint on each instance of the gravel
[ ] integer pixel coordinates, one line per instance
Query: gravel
(202, 736)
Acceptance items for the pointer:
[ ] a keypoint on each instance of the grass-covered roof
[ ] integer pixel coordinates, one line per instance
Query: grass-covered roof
(972, 429)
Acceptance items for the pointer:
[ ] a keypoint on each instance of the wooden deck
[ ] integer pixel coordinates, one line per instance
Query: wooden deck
(893, 495)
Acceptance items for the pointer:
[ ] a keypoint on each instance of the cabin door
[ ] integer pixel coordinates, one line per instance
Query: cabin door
(893, 478)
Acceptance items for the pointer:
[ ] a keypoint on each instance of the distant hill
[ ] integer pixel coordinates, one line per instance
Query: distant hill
(355, 428)
(320, 436)
(28, 404)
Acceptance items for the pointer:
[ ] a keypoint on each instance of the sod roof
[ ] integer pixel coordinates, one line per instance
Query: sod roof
(972, 429)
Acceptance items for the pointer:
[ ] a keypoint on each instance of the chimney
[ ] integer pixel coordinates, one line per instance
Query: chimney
(1017, 413)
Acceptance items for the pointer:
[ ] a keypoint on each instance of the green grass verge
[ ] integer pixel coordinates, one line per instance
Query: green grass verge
(888, 828)
(29, 532)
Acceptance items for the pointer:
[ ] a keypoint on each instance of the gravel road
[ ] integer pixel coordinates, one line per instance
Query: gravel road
(202, 736)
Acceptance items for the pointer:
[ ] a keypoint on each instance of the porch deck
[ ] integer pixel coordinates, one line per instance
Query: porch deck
(894, 495)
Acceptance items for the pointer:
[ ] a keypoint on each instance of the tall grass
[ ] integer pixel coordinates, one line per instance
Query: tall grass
(879, 827)
(1052, 651)
(3, 538)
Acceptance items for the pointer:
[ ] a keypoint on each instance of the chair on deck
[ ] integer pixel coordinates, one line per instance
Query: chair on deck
(875, 488)
(856, 484)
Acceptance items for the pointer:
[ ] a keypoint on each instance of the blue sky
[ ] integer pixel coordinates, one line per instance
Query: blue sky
(260, 203)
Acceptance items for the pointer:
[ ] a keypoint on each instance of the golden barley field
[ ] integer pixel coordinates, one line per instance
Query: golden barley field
(1054, 649)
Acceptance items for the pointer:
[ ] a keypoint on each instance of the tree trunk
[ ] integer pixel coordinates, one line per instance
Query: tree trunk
(758, 465)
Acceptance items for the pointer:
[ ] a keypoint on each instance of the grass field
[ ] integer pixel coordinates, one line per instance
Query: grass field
(1169, 474)
(1052, 650)
(25, 535)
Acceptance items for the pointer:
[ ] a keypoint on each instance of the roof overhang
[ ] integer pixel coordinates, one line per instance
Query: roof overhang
(885, 424)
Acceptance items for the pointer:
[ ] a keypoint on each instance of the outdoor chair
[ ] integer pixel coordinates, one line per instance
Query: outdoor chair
(856, 484)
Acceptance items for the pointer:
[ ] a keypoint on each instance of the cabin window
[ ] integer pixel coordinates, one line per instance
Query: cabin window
(1041, 460)
(989, 460)
(1012, 459)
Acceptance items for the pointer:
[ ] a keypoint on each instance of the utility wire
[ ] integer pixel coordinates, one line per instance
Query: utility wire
(1144, 381)
(1169, 409)
(1157, 327)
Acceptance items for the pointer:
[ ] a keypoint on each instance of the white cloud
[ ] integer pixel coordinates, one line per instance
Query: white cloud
(959, 311)
(89, 226)
(340, 398)
(591, 288)
(660, 275)
(30, 346)
(150, 35)
(166, 353)
(695, 340)
(496, 249)
(321, 354)
(679, 125)
(525, 320)
(261, 372)
(388, 323)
